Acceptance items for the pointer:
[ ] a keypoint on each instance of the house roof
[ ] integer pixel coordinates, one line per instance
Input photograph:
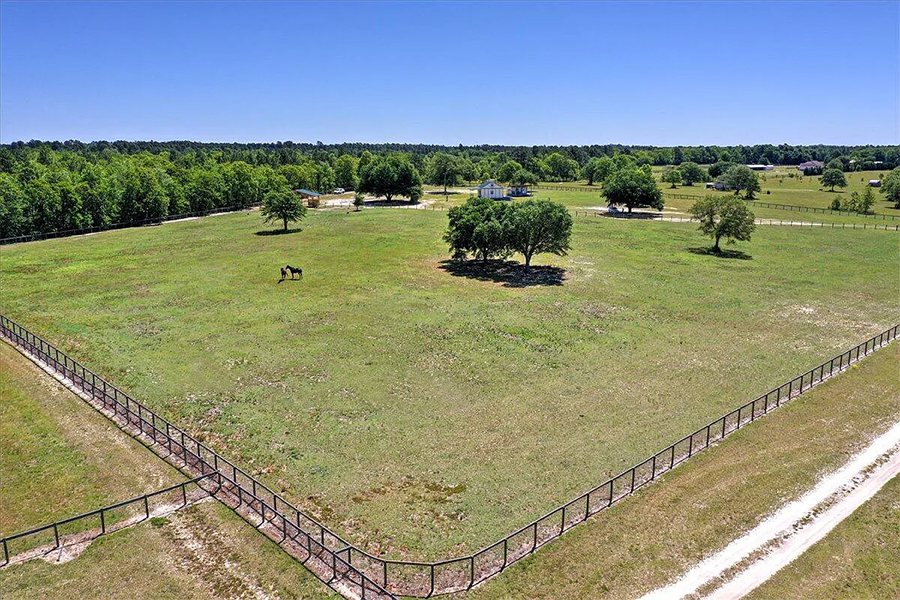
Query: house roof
(306, 192)
(811, 163)
(489, 183)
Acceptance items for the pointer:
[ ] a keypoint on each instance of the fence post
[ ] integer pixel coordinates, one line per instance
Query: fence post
(102, 522)
(56, 534)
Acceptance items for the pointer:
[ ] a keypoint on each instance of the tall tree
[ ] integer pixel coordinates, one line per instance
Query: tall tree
(390, 176)
(507, 170)
(523, 177)
(345, 171)
(443, 169)
(633, 187)
(741, 178)
(537, 226)
(241, 188)
(672, 176)
(833, 177)
(562, 168)
(476, 228)
(890, 187)
(692, 173)
(726, 217)
(283, 205)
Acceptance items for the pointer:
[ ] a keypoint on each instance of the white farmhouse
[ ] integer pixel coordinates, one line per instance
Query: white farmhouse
(491, 189)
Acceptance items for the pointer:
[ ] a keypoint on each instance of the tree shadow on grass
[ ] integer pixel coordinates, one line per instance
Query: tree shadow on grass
(278, 231)
(721, 253)
(507, 272)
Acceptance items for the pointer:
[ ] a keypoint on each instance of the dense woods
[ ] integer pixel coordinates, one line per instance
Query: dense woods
(50, 186)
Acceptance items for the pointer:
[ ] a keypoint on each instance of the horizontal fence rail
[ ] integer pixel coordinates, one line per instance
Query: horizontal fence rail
(824, 211)
(794, 207)
(356, 573)
(33, 237)
(780, 222)
(566, 188)
(108, 519)
(299, 534)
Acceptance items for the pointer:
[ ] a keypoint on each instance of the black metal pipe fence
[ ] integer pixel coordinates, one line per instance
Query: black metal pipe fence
(795, 207)
(780, 222)
(33, 237)
(345, 566)
(108, 519)
(277, 518)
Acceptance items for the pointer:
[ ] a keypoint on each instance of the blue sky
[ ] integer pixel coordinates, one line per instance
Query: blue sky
(662, 73)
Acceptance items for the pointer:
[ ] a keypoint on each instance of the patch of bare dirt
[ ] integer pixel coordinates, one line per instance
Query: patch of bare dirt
(203, 550)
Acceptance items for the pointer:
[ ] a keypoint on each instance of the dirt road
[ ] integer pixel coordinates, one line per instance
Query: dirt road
(793, 528)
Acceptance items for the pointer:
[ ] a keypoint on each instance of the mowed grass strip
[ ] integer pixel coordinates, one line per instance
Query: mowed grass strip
(860, 558)
(58, 457)
(696, 510)
(422, 413)
(204, 552)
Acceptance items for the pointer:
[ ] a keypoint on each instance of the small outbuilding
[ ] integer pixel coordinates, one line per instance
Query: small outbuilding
(491, 189)
(761, 167)
(519, 191)
(311, 197)
(874, 183)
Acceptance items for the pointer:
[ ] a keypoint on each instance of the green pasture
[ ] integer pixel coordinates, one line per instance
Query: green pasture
(204, 552)
(858, 559)
(423, 408)
(58, 456)
(652, 539)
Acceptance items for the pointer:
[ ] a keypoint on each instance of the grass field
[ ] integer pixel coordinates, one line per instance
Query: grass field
(421, 411)
(697, 509)
(204, 552)
(58, 457)
(858, 559)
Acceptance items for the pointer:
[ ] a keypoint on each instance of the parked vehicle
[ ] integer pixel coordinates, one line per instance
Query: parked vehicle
(338, 191)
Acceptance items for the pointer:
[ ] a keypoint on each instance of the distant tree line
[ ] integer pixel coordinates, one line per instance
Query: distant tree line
(50, 186)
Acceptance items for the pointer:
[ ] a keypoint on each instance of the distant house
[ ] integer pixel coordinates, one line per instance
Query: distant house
(491, 189)
(874, 183)
(519, 190)
(811, 165)
(761, 167)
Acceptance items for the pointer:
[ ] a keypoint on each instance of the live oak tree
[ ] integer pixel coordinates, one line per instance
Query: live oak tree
(833, 177)
(741, 178)
(390, 176)
(692, 173)
(444, 169)
(632, 187)
(672, 176)
(507, 170)
(523, 177)
(724, 216)
(537, 227)
(283, 205)
(477, 228)
(345, 172)
(562, 168)
(890, 187)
